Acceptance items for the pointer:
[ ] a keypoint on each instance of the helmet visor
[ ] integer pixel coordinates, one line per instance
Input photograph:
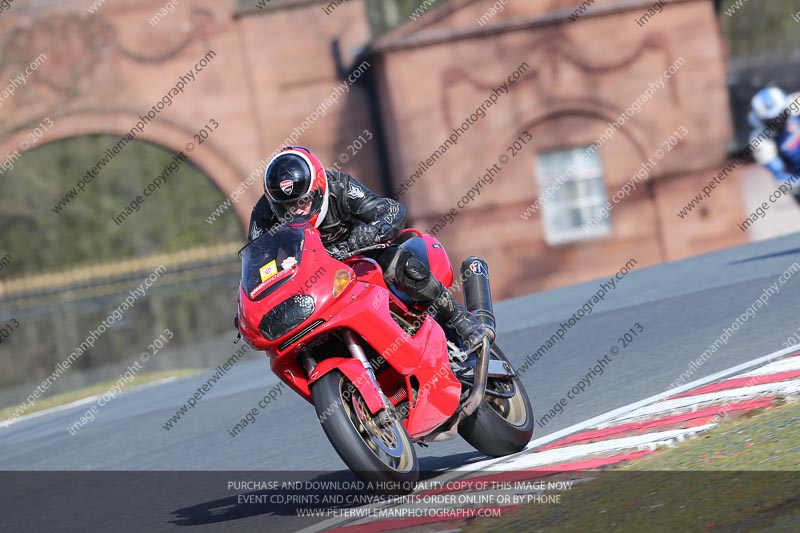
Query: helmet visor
(305, 207)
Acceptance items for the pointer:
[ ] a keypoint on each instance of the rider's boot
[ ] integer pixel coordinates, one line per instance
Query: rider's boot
(457, 319)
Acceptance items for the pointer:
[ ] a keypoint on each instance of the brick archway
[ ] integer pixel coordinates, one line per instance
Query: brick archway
(220, 169)
(634, 132)
(100, 70)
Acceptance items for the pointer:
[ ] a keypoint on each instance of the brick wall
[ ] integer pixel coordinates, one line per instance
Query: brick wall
(583, 75)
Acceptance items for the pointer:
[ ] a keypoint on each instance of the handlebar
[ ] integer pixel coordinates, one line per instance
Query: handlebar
(360, 251)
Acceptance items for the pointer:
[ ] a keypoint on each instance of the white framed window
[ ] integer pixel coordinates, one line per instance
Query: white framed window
(573, 189)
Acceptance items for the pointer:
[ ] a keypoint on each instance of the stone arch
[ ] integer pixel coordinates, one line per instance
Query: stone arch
(220, 169)
(632, 130)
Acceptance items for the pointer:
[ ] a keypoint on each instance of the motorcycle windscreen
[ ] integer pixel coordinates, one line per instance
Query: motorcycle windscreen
(272, 257)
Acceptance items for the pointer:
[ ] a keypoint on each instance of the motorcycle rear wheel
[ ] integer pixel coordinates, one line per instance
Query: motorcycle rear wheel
(500, 426)
(379, 454)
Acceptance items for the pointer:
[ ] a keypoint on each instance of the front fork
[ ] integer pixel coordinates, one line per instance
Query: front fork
(377, 402)
(387, 414)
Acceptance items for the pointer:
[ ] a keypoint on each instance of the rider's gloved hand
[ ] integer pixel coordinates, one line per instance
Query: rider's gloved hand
(339, 251)
(363, 236)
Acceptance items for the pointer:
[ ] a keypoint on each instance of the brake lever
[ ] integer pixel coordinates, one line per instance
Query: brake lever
(360, 251)
(378, 246)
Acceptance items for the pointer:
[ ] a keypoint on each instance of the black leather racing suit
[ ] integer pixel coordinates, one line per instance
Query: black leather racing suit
(350, 204)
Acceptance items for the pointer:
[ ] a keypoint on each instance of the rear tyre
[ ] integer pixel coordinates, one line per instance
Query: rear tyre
(375, 452)
(500, 426)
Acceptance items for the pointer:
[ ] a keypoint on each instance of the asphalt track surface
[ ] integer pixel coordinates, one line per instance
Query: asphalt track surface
(683, 306)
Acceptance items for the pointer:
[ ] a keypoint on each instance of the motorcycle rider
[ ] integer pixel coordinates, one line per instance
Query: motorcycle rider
(778, 116)
(350, 217)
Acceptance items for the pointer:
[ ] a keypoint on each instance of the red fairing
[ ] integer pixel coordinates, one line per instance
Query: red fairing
(408, 366)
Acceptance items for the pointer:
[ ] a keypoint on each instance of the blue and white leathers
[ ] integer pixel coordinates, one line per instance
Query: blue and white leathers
(778, 150)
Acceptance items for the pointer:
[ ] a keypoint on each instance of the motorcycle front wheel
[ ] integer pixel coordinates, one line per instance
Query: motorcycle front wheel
(380, 453)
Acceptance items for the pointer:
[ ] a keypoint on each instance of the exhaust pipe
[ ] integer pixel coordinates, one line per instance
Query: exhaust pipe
(477, 293)
(478, 300)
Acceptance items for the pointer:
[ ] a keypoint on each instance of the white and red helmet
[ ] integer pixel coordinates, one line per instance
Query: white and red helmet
(294, 180)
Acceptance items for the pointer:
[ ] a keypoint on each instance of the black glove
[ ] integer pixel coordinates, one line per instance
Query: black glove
(363, 236)
(339, 251)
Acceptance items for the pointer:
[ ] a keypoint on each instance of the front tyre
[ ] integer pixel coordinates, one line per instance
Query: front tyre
(375, 452)
(500, 426)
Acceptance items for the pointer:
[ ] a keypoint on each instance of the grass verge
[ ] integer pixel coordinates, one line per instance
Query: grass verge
(743, 475)
(99, 388)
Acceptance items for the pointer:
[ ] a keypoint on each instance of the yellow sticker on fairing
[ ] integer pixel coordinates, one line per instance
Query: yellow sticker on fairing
(268, 270)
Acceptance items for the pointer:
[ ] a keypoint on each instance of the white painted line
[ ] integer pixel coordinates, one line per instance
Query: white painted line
(526, 458)
(614, 413)
(784, 365)
(76, 403)
(568, 453)
(89, 399)
(610, 415)
(670, 406)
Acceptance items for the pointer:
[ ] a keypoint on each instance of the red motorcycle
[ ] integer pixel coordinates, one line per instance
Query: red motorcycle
(378, 369)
